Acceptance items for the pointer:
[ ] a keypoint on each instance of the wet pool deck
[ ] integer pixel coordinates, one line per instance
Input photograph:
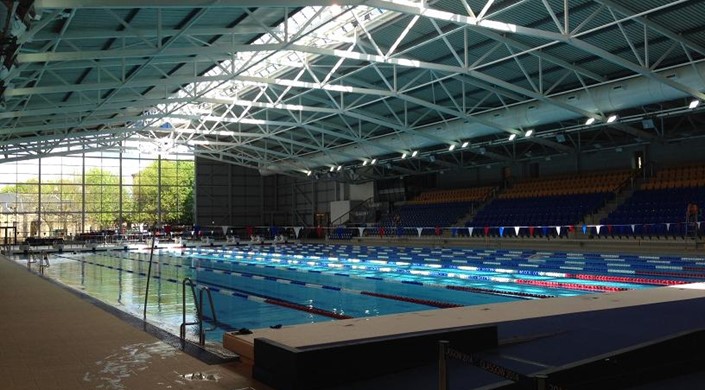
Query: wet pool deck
(54, 339)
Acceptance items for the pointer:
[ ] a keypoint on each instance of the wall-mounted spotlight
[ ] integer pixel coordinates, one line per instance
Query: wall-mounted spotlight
(590, 121)
(511, 137)
(529, 133)
(611, 118)
(694, 104)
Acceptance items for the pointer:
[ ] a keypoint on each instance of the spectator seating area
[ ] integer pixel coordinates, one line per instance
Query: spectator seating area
(677, 177)
(536, 212)
(479, 194)
(559, 206)
(550, 201)
(407, 217)
(597, 182)
(435, 214)
(654, 212)
(441, 208)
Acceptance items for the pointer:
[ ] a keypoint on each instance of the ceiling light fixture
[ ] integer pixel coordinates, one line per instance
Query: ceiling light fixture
(529, 133)
(465, 144)
(590, 121)
(414, 153)
(451, 147)
(373, 162)
(611, 118)
(695, 103)
(511, 137)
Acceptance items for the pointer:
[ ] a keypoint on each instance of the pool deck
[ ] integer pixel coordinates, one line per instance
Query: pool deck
(55, 339)
(537, 335)
(345, 331)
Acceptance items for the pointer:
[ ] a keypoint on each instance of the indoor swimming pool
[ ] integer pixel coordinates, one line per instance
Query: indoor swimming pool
(270, 286)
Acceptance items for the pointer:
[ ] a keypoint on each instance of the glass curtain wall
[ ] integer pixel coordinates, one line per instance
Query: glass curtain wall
(107, 192)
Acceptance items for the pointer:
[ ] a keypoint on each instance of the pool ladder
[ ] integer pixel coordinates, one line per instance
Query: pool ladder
(198, 301)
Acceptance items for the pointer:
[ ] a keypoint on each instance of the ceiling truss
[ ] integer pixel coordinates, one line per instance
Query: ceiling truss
(265, 85)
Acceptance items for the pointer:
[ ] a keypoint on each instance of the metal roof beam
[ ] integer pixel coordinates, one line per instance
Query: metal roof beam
(84, 136)
(98, 122)
(633, 131)
(116, 4)
(509, 28)
(700, 49)
(181, 80)
(90, 33)
(66, 109)
(552, 144)
(318, 129)
(487, 153)
(473, 22)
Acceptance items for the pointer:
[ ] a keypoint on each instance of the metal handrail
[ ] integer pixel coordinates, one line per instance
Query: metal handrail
(198, 301)
(340, 219)
(184, 324)
(201, 331)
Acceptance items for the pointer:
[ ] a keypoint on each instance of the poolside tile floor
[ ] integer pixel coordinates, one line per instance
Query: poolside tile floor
(54, 339)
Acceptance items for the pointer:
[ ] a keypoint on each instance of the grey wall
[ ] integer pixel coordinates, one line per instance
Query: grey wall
(236, 196)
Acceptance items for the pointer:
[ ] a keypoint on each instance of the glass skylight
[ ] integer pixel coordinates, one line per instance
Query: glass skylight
(324, 27)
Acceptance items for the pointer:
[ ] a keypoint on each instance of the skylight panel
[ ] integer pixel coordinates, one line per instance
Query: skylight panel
(311, 26)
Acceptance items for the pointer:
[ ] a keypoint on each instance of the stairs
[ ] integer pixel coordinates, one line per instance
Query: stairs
(612, 205)
(469, 216)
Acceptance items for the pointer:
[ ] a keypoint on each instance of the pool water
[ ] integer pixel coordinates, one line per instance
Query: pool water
(262, 286)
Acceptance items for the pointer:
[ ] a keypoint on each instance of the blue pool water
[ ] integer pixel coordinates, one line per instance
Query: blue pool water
(257, 287)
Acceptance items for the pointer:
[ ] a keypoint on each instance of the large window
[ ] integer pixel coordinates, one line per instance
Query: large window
(68, 195)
